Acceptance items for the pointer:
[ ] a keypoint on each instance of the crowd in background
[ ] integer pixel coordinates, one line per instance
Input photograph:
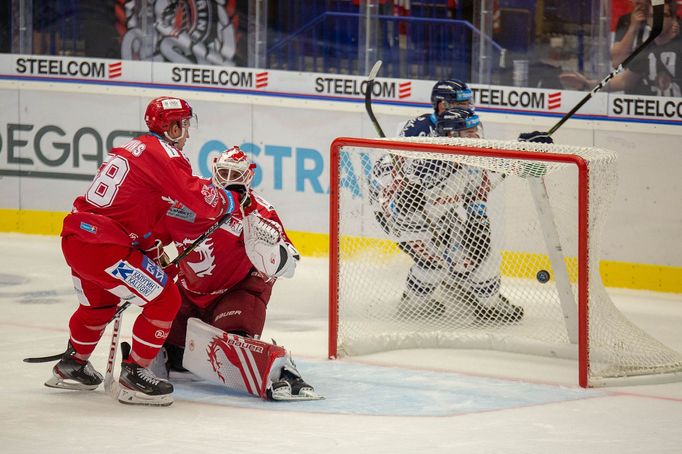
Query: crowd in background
(426, 40)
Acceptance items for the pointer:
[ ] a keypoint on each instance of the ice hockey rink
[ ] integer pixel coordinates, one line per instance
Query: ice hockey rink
(394, 402)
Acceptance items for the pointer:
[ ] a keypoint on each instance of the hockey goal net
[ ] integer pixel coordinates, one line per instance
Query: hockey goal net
(480, 244)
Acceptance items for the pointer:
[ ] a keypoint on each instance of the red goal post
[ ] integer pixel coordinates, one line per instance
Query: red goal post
(362, 256)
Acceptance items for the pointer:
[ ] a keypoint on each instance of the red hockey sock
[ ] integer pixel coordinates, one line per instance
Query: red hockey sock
(83, 338)
(147, 339)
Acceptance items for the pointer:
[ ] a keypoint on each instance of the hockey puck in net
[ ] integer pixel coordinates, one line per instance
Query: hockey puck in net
(542, 276)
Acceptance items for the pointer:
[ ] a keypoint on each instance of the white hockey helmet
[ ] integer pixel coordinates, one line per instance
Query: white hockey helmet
(233, 168)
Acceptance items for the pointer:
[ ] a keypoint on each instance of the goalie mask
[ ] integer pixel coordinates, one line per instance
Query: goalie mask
(233, 169)
(457, 122)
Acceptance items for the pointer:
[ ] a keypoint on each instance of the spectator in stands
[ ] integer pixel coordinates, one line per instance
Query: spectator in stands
(631, 30)
(656, 71)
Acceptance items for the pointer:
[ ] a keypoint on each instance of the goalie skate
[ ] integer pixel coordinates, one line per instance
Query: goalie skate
(291, 387)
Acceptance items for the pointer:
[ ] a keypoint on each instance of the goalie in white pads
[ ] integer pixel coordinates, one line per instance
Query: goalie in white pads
(436, 212)
(225, 285)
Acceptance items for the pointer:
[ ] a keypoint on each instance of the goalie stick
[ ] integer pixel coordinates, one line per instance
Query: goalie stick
(656, 28)
(117, 315)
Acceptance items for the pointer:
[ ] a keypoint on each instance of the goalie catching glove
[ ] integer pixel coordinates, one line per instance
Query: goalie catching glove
(266, 248)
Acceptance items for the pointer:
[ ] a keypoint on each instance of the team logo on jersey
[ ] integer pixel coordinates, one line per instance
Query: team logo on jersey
(148, 281)
(205, 264)
(211, 195)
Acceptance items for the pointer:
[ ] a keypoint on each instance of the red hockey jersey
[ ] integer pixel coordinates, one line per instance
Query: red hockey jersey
(220, 262)
(134, 188)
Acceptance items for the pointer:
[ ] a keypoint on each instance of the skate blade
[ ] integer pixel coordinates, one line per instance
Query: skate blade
(130, 397)
(284, 395)
(60, 383)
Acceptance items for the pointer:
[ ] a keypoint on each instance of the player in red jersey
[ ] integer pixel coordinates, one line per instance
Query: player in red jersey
(108, 242)
(226, 283)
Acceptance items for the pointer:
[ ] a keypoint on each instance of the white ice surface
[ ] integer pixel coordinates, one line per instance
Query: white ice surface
(394, 402)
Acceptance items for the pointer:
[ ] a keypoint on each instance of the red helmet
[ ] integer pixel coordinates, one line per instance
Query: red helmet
(163, 111)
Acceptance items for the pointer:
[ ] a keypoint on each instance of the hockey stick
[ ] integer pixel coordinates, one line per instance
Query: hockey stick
(124, 306)
(656, 28)
(368, 97)
(113, 347)
(109, 375)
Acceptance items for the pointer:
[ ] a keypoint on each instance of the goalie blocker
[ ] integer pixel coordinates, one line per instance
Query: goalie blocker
(244, 364)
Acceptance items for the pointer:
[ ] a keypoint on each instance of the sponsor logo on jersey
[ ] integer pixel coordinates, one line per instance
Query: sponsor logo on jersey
(140, 281)
(234, 226)
(180, 211)
(88, 227)
(154, 270)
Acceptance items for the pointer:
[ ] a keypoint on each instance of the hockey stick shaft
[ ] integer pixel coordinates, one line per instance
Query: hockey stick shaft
(655, 31)
(124, 306)
(109, 375)
(368, 97)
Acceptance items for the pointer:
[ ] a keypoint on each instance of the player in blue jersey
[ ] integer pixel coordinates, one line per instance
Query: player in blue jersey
(445, 94)
(435, 210)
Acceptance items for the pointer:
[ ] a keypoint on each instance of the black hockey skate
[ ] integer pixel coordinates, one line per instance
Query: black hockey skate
(503, 312)
(409, 309)
(73, 373)
(291, 386)
(139, 385)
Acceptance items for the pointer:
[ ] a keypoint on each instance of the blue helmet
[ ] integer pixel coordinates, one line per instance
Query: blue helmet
(456, 119)
(451, 91)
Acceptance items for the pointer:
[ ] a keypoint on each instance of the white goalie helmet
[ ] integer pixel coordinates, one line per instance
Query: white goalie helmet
(233, 168)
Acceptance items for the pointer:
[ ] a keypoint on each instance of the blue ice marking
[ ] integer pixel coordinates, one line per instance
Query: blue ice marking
(361, 389)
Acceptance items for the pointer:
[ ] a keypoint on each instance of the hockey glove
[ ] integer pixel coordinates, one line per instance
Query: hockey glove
(535, 136)
(242, 192)
(157, 254)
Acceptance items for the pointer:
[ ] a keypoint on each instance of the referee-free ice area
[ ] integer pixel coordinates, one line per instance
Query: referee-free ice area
(410, 401)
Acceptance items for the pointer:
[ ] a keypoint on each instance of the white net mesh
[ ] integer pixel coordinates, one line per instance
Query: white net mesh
(446, 249)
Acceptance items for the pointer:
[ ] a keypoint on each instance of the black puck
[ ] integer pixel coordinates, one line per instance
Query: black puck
(542, 276)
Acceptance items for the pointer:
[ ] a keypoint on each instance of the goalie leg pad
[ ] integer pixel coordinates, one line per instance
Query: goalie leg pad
(229, 360)
(249, 365)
